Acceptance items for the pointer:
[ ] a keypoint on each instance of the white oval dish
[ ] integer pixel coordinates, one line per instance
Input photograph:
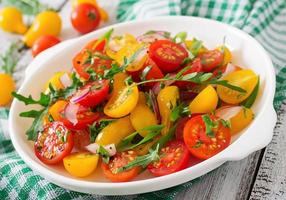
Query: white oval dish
(247, 53)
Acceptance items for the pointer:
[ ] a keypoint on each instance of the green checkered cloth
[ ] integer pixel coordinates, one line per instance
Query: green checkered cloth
(263, 19)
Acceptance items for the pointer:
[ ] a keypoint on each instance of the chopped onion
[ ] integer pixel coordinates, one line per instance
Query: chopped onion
(79, 95)
(229, 68)
(155, 106)
(114, 46)
(71, 112)
(93, 148)
(111, 149)
(228, 112)
(66, 80)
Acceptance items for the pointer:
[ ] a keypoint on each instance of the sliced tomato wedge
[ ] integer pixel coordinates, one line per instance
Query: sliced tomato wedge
(167, 55)
(98, 64)
(92, 93)
(180, 128)
(78, 117)
(201, 144)
(195, 66)
(54, 142)
(96, 45)
(173, 157)
(118, 161)
(211, 60)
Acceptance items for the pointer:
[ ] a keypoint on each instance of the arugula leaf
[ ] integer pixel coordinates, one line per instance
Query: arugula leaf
(209, 124)
(43, 101)
(97, 127)
(36, 126)
(225, 123)
(180, 37)
(144, 73)
(31, 113)
(142, 161)
(195, 47)
(225, 83)
(109, 73)
(165, 138)
(251, 99)
(178, 112)
(190, 76)
(104, 154)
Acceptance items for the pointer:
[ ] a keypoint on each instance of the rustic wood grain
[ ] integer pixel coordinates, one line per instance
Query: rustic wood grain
(270, 182)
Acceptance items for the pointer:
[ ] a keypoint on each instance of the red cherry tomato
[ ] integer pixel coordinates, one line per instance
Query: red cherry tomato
(167, 55)
(202, 145)
(92, 93)
(211, 60)
(96, 45)
(180, 128)
(118, 161)
(98, 64)
(43, 43)
(84, 117)
(54, 142)
(196, 66)
(81, 139)
(173, 157)
(85, 18)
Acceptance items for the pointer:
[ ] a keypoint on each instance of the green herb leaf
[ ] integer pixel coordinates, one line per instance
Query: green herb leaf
(144, 73)
(195, 47)
(177, 112)
(209, 124)
(31, 113)
(43, 101)
(36, 126)
(251, 99)
(225, 123)
(180, 37)
(165, 138)
(50, 118)
(190, 76)
(225, 83)
(104, 154)
(198, 144)
(97, 127)
(142, 161)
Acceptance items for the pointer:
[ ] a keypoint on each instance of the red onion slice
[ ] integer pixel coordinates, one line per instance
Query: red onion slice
(66, 80)
(228, 112)
(93, 148)
(157, 87)
(155, 106)
(71, 111)
(80, 94)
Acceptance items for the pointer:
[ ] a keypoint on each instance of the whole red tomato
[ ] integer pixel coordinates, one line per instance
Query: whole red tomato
(85, 18)
(44, 42)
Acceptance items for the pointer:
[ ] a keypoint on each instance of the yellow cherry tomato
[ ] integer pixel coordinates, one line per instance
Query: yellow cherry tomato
(81, 164)
(142, 116)
(123, 98)
(115, 132)
(118, 42)
(167, 100)
(227, 54)
(56, 81)
(11, 20)
(7, 86)
(45, 23)
(241, 120)
(55, 109)
(205, 101)
(191, 44)
(245, 79)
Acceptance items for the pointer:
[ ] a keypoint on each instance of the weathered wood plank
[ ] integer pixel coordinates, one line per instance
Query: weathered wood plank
(232, 180)
(270, 182)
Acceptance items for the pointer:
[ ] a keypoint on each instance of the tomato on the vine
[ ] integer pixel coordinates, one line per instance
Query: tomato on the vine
(53, 143)
(173, 157)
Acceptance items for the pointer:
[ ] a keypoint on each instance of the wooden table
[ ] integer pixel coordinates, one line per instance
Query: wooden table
(262, 175)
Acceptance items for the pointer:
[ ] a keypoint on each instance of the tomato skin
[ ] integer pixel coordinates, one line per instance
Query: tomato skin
(94, 96)
(85, 18)
(211, 60)
(180, 128)
(81, 68)
(49, 137)
(167, 55)
(85, 117)
(96, 45)
(43, 43)
(120, 160)
(170, 155)
(81, 139)
(194, 131)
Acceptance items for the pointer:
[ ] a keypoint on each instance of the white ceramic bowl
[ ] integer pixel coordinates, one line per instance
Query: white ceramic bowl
(247, 52)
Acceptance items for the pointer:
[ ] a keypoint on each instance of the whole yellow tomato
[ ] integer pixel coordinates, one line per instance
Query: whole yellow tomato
(115, 132)
(11, 20)
(123, 98)
(205, 101)
(245, 79)
(7, 86)
(81, 164)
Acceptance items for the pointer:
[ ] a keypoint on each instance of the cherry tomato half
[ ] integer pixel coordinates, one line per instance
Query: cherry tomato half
(81, 139)
(211, 60)
(167, 55)
(92, 93)
(54, 142)
(44, 42)
(85, 18)
(118, 161)
(83, 116)
(200, 144)
(180, 128)
(173, 157)
(98, 64)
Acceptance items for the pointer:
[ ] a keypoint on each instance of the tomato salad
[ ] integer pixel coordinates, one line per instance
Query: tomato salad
(154, 103)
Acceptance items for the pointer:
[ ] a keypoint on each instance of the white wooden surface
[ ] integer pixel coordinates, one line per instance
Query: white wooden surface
(261, 175)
